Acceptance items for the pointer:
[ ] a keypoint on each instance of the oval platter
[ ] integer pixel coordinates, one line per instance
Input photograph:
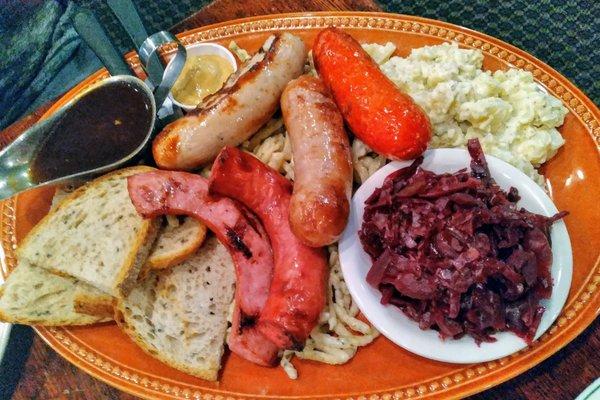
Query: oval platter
(381, 370)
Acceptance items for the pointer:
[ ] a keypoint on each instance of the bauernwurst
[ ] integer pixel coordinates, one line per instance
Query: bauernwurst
(322, 162)
(246, 102)
(298, 289)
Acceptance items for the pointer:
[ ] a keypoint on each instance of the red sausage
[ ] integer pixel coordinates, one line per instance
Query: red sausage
(378, 113)
(181, 193)
(322, 162)
(297, 294)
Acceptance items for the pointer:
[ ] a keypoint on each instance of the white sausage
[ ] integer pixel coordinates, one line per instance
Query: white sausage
(247, 101)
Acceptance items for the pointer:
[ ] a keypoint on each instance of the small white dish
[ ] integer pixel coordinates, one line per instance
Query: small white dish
(397, 327)
(199, 49)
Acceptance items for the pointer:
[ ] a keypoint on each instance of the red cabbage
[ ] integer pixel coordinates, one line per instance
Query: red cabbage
(456, 254)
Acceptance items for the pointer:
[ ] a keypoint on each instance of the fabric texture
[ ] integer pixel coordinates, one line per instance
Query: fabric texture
(38, 42)
(42, 56)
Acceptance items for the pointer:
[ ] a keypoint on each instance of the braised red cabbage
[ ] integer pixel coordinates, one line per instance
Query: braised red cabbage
(456, 254)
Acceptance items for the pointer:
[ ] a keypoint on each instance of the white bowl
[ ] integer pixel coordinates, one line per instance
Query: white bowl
(397, 327)
(199, 49)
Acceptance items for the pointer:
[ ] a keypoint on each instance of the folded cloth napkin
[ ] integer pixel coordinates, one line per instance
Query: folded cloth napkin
(38, 42)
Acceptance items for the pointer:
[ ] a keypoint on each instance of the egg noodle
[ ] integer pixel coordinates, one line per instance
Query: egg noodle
(513, 118)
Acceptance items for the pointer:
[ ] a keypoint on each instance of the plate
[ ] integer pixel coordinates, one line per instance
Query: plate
(394, 324)
(381, 370)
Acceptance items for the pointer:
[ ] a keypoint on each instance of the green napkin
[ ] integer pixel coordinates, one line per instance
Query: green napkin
(563, 33)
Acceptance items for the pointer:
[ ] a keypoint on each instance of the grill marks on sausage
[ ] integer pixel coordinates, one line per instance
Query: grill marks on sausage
(172, 192)
(237, 243)
(297, 293)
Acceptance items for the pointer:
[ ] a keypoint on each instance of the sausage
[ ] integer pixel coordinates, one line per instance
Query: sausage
(246, 102)
(322, 162)
(180, 193)
(297, 293)
(378, 113)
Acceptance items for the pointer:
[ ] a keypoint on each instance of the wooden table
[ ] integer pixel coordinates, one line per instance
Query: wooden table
(45, 375)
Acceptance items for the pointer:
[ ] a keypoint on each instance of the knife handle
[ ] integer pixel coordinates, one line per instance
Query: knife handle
(91, 31)
(129, 18)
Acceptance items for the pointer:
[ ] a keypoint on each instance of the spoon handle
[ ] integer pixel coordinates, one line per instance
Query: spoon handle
(132, 23)
(91, 31)
(149, 48)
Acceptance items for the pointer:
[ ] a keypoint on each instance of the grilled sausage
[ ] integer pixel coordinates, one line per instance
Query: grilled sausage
(297, 293)
(180, 193)
(322, 162)
(378, 113)
(246, 102)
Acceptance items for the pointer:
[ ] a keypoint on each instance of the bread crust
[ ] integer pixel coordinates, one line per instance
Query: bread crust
(159, 259)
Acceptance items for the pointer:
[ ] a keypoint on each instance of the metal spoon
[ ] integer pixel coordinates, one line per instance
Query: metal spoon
(16, 158)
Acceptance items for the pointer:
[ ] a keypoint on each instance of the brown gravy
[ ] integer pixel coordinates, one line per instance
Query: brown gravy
(101, 128)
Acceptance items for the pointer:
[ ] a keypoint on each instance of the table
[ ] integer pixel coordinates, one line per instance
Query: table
(45, 375)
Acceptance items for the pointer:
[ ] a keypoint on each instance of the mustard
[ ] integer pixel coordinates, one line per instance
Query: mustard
(201, 75)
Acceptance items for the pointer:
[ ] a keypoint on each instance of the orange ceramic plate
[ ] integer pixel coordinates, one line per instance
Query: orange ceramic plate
(381, 370)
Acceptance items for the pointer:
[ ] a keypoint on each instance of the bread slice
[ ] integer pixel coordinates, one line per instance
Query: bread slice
(180, 315)
(177, 240)
(34, 296)
(94, 235)
(94, 302)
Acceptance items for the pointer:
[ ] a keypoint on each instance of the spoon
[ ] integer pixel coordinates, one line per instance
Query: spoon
(16, 159)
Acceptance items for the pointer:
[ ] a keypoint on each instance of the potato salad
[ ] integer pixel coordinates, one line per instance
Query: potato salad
(511, 115)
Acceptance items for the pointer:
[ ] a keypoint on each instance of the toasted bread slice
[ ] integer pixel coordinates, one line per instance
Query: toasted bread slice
(94, 303)
(34, 296)
(177, 240)
(94, 235)
(180, 315)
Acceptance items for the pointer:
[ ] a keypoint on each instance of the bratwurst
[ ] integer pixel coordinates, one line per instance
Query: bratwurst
(322, 162)
(246, 102)
(297, 293)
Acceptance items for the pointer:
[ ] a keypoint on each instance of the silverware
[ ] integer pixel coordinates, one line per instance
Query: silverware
(91, 31)
(129, 18)
(16, 158)
(148, 50)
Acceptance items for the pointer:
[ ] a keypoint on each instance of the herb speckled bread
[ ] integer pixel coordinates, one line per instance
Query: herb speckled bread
(34, 296)
(180, 315)
(94, 235)
(177, 240)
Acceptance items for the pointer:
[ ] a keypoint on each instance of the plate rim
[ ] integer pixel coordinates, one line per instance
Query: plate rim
(458, 384)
